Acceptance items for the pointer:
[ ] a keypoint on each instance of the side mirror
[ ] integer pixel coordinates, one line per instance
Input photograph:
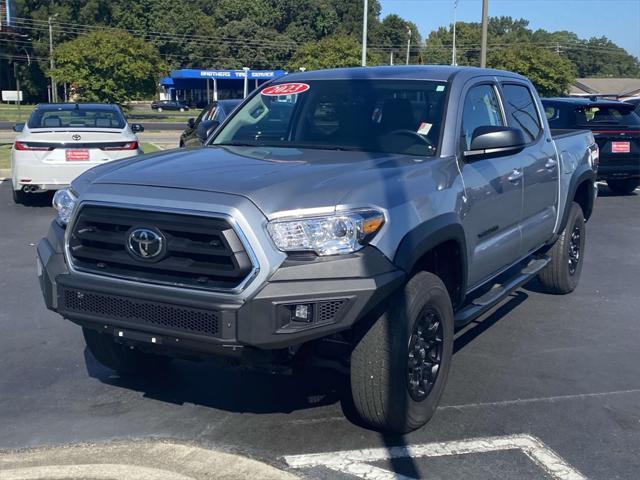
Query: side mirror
(206, 128)
(191, 123)
(494, 141)
(136, 128)
(18, 127)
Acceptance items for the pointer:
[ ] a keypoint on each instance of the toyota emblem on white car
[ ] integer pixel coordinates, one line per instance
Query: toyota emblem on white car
(76, 137)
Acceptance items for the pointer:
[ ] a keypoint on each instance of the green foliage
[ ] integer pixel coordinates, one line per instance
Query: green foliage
(551, 74)
(330, 52)
(108, 66)
(596, 57)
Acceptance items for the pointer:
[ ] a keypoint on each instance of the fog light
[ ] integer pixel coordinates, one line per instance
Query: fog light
(303, 313)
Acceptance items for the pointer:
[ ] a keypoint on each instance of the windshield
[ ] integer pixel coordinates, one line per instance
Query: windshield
(76, 116)
(394, 116)
(622, 115)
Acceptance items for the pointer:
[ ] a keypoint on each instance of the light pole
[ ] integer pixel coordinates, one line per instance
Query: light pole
(454, 53)
(246, 81)
(408, 44)
(52, 65)
(485, 30)
(365, 14)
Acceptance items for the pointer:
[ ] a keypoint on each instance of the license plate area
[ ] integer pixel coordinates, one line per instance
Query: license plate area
(121, 334)
(76, 155)
(620, 147)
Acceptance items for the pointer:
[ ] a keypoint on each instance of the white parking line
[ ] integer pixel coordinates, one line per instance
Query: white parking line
(356, 462)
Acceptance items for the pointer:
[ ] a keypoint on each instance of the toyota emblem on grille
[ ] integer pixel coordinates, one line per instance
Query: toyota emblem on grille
(76, 137)
(145, 243)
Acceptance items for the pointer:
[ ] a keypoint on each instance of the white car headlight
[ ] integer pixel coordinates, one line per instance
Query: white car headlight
(342, 232)
(64, 201)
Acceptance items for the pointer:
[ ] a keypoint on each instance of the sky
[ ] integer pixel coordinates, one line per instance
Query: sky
(619, 20)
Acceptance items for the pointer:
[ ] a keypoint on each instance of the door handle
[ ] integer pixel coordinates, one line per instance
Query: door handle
(515, 175)
(551, 163)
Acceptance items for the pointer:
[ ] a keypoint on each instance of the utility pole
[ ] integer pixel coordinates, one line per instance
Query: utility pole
(485, 32)
(15, 74)
(365, 14)
(54, 90)
(408, 44)
(454, 53)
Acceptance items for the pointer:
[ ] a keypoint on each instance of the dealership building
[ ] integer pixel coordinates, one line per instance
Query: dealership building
(199, 87)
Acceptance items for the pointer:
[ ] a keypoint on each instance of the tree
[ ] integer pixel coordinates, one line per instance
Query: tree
(550, 73)
(108, 66)
(330, 52)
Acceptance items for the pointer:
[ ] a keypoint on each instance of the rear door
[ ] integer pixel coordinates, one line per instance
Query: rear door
(539, 163)
(493, 190)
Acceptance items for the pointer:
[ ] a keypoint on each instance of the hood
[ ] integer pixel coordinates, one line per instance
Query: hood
(275, 179)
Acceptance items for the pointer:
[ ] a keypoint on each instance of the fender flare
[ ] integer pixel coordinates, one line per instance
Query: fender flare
(428, 235)
(587, 175)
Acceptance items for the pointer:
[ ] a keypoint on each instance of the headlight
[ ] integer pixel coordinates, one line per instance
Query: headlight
(342, 232)
(64, 202)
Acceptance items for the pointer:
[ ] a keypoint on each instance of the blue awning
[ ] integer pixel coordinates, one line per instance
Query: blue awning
(193, 73)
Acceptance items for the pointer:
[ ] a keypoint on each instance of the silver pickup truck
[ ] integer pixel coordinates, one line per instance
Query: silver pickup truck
(354, 216)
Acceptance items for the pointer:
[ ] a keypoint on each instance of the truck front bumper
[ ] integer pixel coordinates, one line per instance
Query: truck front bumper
(303, 300)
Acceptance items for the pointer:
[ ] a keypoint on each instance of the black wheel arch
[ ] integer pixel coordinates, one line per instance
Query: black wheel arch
(581, 191)
(437, 234)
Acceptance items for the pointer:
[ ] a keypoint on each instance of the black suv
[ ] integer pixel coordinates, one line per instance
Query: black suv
(199, 128)
(616, 128)
(161, 105)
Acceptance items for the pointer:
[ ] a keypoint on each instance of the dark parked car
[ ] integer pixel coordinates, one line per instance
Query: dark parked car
(199, 128)
(161, 105)
(635, 102)
(616, 128)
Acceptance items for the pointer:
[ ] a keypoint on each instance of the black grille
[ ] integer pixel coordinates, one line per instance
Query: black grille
(142, 312)
(201, 252)
(327, 311)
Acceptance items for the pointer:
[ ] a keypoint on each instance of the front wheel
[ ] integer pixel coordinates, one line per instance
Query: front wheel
(562, 274)
(399, 366)
(624, 187)
(122, 359)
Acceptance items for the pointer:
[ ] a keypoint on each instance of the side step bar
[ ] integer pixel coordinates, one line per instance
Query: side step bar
(499, 292)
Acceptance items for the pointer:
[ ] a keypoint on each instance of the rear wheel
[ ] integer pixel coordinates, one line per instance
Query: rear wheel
(400, 364)
(562, 274)
(624, 187)
(122, 359)
(21, 197)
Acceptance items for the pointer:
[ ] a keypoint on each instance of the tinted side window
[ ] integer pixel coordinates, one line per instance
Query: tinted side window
(481, 109)
(521, 111)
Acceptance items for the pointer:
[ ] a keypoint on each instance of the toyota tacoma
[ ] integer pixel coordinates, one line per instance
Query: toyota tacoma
(358, 216)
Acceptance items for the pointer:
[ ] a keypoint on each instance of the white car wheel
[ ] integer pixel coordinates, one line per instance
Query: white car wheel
(182, 109)
(159, 109)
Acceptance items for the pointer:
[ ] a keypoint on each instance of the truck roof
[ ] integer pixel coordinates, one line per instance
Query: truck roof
(442, 73)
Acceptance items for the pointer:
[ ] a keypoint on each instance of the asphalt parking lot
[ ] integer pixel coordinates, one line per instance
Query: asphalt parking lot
(543, 387)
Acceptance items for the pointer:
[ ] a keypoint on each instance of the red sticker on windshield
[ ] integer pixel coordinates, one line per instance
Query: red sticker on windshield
(285, 89)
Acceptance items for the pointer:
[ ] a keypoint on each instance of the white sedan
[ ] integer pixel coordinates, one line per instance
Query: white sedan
(62, 140)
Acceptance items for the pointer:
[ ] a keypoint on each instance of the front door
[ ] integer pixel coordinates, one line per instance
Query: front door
(493, 191)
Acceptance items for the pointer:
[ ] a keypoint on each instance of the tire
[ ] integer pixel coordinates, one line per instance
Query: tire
(159, 109)
(122, 359)
(381, 359)
(624, 187)
(562, 274)
(20, 197)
